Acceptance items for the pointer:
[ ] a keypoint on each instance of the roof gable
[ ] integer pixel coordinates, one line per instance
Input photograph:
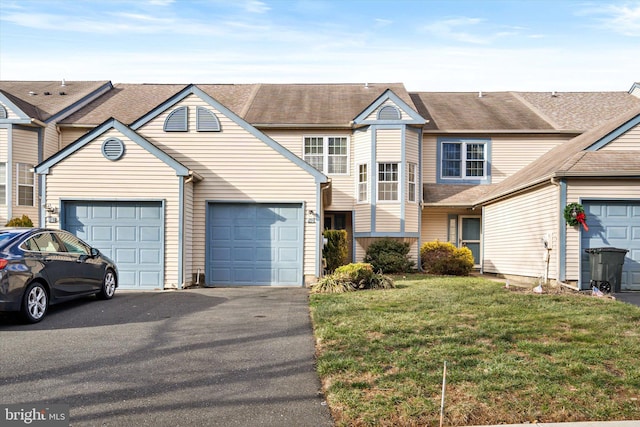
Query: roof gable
(389, 99)
(195, 90)
(45, 166)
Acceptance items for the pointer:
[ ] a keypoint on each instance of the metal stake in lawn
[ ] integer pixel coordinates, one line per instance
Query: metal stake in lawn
(444, 383)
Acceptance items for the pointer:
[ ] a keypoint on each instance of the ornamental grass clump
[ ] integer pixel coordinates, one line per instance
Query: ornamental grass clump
(352, 277)
(443, 258)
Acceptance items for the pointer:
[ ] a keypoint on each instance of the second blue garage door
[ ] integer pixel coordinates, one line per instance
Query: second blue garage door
(254, 244)
(130, 233)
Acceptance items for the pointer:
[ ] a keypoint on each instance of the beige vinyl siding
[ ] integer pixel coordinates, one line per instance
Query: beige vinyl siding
(578, 191)
(513, 230)
(50, 142)
(412, 209)
(388, 145)
(343, 196)
(630, 140)
(509, 153)
(362, 155)
(435, 223)
(140, 176)
(4, 147)
(69, 135)
(24, 149)
(388, 217)
(235, 166)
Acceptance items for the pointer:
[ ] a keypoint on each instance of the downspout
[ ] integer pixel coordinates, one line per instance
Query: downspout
(562, 233)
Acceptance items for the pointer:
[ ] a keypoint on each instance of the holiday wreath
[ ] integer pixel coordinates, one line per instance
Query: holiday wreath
(574, 215)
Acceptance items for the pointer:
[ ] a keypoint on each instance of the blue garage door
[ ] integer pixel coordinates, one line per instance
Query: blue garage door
(613, 224)
(130, 233)
(254, 244)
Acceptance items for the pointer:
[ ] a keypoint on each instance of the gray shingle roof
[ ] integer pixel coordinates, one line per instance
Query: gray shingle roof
(258, 104)
(468, 111)
(31, 97)
(570, 159)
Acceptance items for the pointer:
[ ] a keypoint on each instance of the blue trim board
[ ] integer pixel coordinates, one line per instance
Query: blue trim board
(319, 241)
(43, 168)
(562, 238)
(386, 96)
(620, 130)
(193, 89)
(9, 188)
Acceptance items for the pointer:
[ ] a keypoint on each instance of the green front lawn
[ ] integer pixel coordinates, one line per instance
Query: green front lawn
(512, 356)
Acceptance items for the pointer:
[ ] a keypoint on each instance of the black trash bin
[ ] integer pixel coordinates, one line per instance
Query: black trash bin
(606, 268)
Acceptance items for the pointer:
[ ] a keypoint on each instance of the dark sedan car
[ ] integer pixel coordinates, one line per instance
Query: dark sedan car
(40, 267)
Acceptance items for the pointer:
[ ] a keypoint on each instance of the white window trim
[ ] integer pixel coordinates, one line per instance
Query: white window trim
(398, 182)
(365, 183)
(325, 152)
(18, 184)
(412, 196)
(463, 160)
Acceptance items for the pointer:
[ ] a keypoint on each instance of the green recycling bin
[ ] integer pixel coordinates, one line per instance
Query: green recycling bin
(606, 268)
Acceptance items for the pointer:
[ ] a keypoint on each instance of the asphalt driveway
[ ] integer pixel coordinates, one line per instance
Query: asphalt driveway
(200, 357)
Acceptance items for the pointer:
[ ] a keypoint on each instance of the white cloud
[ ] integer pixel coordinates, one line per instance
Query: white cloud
(256, 6)
(623, 19)
(454, 29)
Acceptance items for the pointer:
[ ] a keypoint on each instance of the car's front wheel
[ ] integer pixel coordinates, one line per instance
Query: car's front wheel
(35, 303)
(108, 285)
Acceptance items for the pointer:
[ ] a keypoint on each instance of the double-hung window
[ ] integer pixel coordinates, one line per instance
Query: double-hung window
(412, 181)
(328, 154)
(26, 184)
(363, 183)
(388, 181)
(3, 183)
(464, 160)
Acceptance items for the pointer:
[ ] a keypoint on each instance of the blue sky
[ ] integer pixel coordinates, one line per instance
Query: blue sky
(428, 45)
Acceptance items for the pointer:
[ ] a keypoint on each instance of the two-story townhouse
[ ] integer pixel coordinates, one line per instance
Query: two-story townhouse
(29, 112)
(474, 141)
(233, 184)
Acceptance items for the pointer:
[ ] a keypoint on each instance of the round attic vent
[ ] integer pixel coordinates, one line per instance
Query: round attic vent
(113, 149)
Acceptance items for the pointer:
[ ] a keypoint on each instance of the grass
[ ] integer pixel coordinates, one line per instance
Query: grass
(512, 356)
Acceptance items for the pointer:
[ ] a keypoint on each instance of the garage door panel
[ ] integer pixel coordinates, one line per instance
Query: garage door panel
(263, 241)
(611, 224)
(131, 233)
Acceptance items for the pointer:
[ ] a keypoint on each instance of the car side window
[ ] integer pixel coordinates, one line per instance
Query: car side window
(43, 242)
(73, 244)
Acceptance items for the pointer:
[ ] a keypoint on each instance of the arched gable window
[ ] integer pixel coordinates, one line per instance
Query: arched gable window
(389, 112)
(176, 121)
(3, 112)
(206, 120)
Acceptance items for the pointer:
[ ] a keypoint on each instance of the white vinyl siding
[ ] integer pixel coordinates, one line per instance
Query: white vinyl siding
(578, 191)
(507, 251)
(221, 159)
(435, 224)
(69, 135)
(388, 218)
(140, 176)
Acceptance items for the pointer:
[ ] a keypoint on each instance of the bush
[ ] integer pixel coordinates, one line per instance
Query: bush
(336, 251)
(352, 277)
(446, 259)
(389, 256)
(25, 221)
